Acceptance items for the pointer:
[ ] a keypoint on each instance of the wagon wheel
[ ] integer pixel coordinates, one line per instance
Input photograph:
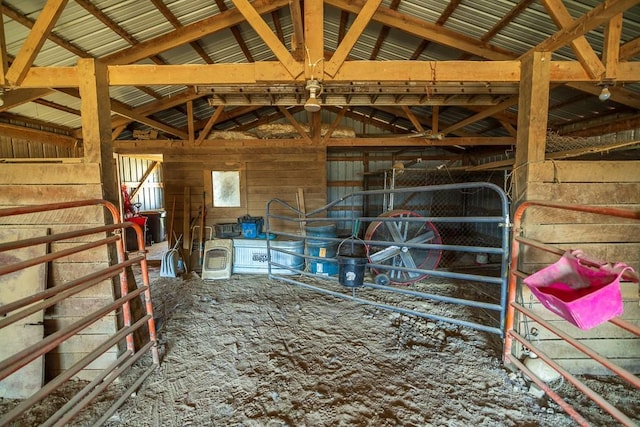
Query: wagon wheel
(400, 233)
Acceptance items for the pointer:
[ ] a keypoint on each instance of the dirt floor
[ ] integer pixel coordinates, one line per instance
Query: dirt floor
(256, 352)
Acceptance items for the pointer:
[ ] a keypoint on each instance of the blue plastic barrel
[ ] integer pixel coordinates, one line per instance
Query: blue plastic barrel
(322, 248)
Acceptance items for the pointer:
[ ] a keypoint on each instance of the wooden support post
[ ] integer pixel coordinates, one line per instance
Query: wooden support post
(93, 79)
(186, 220)
(533, 107)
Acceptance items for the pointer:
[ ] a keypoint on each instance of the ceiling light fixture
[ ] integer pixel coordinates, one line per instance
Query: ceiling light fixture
(605, 94)
(313, 105)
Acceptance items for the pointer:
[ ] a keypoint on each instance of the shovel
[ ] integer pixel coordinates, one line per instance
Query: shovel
(169, 264)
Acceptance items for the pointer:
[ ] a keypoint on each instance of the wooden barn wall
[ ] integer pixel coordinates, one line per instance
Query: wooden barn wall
(38, 183)
(267, 171)
(13, 148)
(603, 183)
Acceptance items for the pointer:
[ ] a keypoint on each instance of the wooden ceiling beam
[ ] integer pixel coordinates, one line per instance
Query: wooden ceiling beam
(166, 12)
(618, 94)
(58, 107)
(65, 44)
(236, 33)
(361, 71)
(630, 49)
(212, 121)
(426, 30)
(113, 26)
(131, 114)
(4, 57)
(413, 119)
(314, 40)
(29, 134)
(611, 46)
(594, 18)
(178, 147)
(401, 141)
(264, 31)
(482, 115)
(14, 98)
(355, 31)
(581, 47)
(295, 124)
(442, 19)
(189, 33)
(36, 38)
(298, 38)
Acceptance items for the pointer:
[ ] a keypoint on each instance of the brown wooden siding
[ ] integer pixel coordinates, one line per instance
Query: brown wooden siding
(39, 183)
(602, 183)
(275, 171)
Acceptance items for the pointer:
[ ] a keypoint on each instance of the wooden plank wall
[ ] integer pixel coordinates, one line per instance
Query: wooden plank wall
(267, 170)
(33, 183)
(603, 183)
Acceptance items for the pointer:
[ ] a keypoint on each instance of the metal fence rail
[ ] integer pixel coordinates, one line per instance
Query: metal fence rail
(109, 236)
(518, 313)
(408, 251)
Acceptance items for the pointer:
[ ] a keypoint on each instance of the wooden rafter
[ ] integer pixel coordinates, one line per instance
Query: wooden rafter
(611, 47)
(113, 26)
(236, 33)
(426, 30)
(587, 22)
(36, 38)
(583, 50)
(446, 13)
(384, 32)
(166, 12)
(314, 39)
(28, 134)
(295, 124)
(212, 121)
(482, 115)
(297, 44)
(412, 118)
(66, 44)
(356, 29)
(189, 33)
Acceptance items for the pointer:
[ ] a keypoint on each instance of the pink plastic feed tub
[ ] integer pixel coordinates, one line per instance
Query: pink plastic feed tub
(585, 293)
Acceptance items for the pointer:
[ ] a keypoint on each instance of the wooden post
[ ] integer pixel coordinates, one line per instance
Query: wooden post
(533, 107)
(186, 219)
(96, 123)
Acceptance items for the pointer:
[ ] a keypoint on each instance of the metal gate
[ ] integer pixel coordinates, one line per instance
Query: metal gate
(77, 241)
(441, 253)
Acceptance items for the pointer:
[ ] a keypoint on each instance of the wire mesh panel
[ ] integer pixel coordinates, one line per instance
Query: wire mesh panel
(460, 202)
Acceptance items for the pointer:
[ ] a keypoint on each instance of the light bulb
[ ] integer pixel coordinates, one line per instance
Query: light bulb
(605, 94)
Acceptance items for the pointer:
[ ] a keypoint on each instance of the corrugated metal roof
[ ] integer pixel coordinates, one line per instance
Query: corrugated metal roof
(143, 22)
